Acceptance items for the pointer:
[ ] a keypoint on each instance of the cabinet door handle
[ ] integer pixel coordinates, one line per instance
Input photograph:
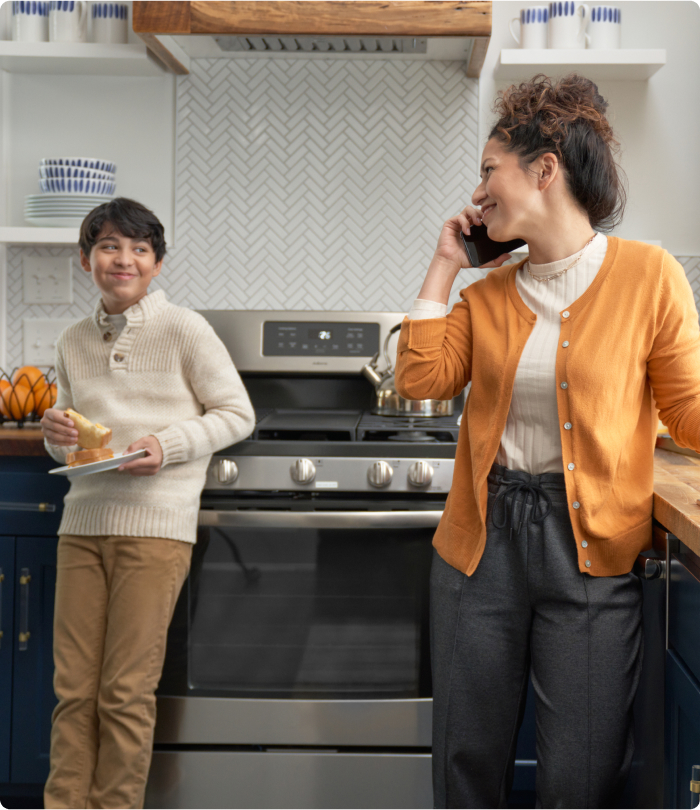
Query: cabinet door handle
(24, 580)
(2, 579)
(11, 506)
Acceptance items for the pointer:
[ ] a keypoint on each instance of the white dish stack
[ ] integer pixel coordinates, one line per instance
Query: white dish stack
(71, 187)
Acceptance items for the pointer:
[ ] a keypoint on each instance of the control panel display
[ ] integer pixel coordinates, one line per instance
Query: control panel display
(304, 339)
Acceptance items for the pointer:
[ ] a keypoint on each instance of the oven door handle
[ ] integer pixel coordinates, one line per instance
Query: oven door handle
(404, 519)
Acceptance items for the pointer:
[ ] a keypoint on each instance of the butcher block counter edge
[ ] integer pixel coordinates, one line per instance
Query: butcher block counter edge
(676, 494)
(26, 441)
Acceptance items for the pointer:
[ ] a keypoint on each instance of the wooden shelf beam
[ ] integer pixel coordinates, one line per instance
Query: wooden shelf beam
(399, 18)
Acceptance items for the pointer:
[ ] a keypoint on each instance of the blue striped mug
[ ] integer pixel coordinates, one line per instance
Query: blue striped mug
(604, 27)
(30, 21)
(110, 22)
(533, 27)
(567, 24)
(68, 20)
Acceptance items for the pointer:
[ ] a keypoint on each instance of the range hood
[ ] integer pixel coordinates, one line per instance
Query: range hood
(342, 29)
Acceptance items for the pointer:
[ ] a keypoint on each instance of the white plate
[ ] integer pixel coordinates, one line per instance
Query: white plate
(63, 203)
(50, 196)
(55, 222)
(97, 466)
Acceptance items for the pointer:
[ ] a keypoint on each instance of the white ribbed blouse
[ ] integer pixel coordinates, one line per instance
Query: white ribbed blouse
(531, 440)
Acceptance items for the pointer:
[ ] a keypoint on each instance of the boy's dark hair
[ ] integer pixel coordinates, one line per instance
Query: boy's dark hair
(128, 217)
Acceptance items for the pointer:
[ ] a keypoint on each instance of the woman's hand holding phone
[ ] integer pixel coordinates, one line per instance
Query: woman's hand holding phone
(450, 256)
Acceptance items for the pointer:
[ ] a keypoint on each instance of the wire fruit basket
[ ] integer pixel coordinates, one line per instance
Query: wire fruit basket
(25, 394)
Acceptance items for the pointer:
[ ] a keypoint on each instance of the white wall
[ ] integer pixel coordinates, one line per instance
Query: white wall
(657, 121)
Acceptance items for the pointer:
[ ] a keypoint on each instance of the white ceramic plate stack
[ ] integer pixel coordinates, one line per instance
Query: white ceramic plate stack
(71, 188)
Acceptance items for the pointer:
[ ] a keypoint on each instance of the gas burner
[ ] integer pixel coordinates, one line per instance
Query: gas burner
(412, 436)
(415, 429)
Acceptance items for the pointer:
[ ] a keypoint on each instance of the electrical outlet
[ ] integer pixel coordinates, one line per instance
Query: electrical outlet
(40, 336)
(48, 280)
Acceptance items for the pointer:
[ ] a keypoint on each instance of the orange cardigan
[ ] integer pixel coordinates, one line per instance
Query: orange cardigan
(634, 330)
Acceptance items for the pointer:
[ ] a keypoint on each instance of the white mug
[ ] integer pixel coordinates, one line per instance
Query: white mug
(67, 21)
(533, 27)
(604, 27)
(29, 21)
(567, 24)
(110, 22)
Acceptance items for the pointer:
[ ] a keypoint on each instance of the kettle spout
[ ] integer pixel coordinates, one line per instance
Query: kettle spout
(372, 374)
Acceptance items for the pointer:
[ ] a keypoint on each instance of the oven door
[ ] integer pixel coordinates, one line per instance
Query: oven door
(304, 626)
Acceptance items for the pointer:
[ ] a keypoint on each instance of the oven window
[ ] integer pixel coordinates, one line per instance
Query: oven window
(306, 612)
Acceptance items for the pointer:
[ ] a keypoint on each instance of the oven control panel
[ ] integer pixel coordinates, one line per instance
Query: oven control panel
(339, 474)
(319, 339)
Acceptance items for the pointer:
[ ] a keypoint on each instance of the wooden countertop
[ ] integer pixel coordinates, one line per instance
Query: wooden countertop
(676, 492)
(676, 482)
(26, 441)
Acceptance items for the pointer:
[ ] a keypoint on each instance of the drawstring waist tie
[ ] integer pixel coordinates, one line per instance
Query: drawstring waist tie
(533, 493)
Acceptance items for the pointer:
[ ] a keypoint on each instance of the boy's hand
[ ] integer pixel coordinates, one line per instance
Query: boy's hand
(57, 428)
(150, 463)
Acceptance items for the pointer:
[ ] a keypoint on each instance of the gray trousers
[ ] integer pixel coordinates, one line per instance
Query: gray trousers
(527, 607)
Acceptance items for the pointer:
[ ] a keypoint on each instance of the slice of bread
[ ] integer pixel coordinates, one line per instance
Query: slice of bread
(90, 436)
(88, 456)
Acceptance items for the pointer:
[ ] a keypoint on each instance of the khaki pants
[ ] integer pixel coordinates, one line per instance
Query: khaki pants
(115, 597)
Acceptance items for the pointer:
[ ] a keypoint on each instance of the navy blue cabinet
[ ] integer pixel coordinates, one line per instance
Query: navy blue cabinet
(33, 698)
(7, 579)
(28, 562)
(682, 730)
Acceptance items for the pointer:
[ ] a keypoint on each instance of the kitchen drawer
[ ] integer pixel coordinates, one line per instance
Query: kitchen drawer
(313, 779)
(21, 494)
(684, 609)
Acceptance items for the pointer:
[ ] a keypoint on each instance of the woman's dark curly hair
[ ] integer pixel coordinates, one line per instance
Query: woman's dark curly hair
(567, 118)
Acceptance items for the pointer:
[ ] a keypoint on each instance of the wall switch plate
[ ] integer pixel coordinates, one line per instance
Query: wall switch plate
(47, 279)
(40, 336)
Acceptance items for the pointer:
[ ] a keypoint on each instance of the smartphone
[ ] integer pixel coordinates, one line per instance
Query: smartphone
(481, 250)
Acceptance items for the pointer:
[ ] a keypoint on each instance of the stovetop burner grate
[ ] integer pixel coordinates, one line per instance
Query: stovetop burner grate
(373, 428)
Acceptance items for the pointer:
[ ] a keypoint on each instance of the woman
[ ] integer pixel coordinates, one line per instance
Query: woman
(552, 493)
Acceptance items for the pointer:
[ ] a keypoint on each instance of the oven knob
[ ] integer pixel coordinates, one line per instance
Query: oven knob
(227, 471)
(420, 474)
(380, 474)
(303, 471)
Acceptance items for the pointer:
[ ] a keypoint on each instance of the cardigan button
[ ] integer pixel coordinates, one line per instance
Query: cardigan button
(565, 343)
(584, 544)
(567, 425)
(576, 504)
(565, 385)
(565, 313)
(588, 563)
(571, 465)
(118, 357)
(107, 335)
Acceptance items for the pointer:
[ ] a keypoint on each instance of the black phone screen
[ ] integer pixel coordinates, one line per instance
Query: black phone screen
(481, 250)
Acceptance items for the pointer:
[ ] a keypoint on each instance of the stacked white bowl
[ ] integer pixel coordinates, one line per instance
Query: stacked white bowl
(70, 188)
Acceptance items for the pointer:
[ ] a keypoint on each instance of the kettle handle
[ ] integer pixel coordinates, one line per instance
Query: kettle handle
(386, 347)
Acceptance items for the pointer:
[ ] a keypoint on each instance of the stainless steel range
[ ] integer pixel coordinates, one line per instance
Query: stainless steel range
(298, 668)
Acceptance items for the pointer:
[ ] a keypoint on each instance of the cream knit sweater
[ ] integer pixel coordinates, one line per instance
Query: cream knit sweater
(165, 374)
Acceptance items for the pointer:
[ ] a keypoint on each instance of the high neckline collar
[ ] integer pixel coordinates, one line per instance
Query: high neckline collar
(554, 267)
(136, 314)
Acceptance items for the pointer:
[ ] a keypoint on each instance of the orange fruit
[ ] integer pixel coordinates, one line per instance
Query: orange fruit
(45, 398)
(18, 401)
(30, 376)
(3, 410)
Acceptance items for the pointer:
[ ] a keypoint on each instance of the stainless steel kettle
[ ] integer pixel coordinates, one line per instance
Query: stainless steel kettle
(389, 401)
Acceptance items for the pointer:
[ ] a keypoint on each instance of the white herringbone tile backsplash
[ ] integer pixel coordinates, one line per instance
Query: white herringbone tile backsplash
(317, 184)
(305, 185)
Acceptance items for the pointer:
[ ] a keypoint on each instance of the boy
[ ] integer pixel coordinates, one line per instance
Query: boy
(159, 377)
